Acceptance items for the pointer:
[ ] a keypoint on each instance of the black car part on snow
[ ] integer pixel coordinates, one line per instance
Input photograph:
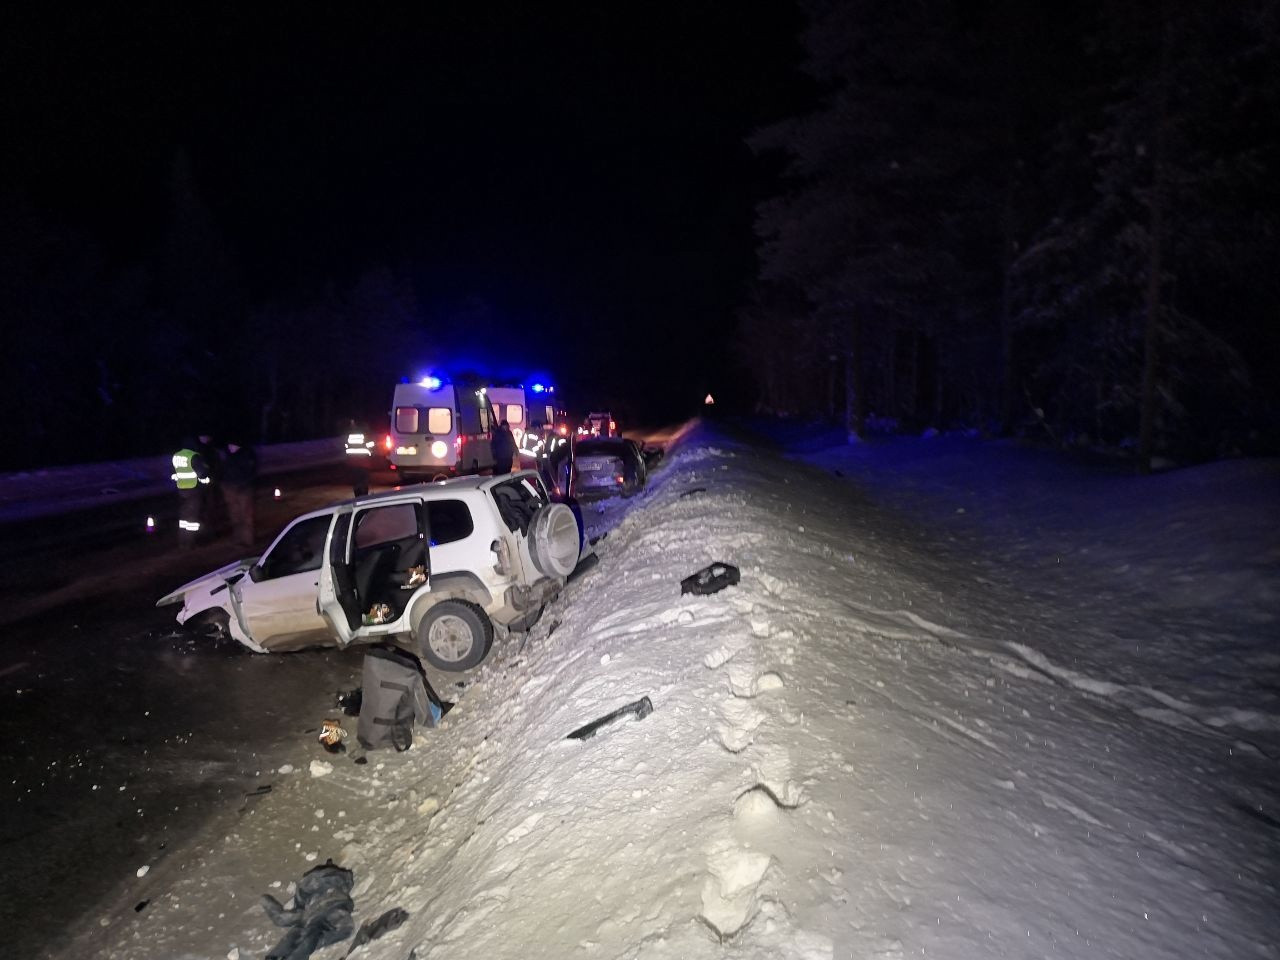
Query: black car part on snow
(710, 579)
(639, 709)
(372, 929)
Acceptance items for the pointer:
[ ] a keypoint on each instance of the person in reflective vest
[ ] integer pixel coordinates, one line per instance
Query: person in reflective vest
(190, 473)
(359, 457)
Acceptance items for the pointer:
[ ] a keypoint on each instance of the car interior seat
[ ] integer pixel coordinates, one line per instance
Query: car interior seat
(372, 573)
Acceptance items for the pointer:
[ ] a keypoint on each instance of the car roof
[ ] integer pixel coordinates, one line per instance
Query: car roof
(602, 442)
(436, 490)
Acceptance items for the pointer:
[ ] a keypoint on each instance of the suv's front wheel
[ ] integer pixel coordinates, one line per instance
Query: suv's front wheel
(454, 635)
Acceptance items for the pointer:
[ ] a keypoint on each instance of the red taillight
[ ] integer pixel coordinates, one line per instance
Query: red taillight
(457, 442)
(386, 442)
(620, 479)
(612, 426)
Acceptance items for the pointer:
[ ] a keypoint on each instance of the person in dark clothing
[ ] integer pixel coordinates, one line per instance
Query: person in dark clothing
(213, 509)
(239, 470)
(504, 448)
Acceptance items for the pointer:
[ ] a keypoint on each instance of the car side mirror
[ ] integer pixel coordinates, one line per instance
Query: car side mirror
(255, 573)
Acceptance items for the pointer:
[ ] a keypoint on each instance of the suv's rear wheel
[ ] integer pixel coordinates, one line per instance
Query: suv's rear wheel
(454, 635)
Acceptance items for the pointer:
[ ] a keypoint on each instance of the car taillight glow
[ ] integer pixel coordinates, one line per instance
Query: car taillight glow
(388, 443)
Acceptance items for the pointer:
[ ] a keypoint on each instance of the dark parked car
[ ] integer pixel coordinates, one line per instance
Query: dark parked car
(609, 465)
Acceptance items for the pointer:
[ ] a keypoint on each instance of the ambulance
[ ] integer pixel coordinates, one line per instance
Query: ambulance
(440, 429)
(531, 414)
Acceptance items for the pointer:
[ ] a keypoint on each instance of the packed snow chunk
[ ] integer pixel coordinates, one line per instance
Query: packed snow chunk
(729, 894)
(739, 721)
(321, 768)
(428, 807)
(745, 682)
(144, 870)
(755, 807)
(285, 768)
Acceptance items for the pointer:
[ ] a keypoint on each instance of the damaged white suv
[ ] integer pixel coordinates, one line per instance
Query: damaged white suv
(431, 567)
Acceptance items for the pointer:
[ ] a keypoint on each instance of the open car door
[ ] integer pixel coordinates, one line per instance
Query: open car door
(337, 599)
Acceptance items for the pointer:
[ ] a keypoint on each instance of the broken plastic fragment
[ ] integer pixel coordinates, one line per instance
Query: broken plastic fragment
(710, 579)
(639, 708)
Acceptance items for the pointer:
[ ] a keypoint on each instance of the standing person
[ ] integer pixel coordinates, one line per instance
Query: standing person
(212, 508)
(504, 448)
(238, 473)
(191, 477)
(359, 457)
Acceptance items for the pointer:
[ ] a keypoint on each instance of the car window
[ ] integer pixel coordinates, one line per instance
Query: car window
(439, 420)
(299, 550)
(518, 500)
(514, 414)
(398, 521)
(406, 420)
(449, 520)
(601, 448)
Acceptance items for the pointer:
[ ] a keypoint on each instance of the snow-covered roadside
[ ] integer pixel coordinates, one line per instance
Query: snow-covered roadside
(840, 762)
(1161, 592)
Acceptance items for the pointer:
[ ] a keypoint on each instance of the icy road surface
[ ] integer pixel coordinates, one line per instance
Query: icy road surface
(905, 733)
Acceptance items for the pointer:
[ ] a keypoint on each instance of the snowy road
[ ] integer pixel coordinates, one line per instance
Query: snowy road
(896, 737)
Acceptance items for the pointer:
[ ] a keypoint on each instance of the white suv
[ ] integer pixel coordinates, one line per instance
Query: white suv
(431, 567)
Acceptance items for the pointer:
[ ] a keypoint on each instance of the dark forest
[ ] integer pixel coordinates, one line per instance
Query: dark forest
(1050, 222)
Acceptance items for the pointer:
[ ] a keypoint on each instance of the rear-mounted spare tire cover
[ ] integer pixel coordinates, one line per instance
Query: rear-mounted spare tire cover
(553, 540)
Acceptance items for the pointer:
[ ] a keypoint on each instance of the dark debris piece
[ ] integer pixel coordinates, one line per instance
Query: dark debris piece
(322, 914)
(639, 708)
(710, 579)
(351, 701)
(372, 929)
(691, 491)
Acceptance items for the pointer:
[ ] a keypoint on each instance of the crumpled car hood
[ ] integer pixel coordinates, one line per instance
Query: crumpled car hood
(231, 571)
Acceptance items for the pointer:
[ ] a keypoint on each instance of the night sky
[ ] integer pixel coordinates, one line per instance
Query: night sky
(582, 174)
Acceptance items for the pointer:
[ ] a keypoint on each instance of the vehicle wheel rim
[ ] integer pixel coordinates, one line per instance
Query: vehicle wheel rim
(450, 638)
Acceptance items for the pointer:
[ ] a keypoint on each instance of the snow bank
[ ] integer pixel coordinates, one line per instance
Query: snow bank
(848, 756)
